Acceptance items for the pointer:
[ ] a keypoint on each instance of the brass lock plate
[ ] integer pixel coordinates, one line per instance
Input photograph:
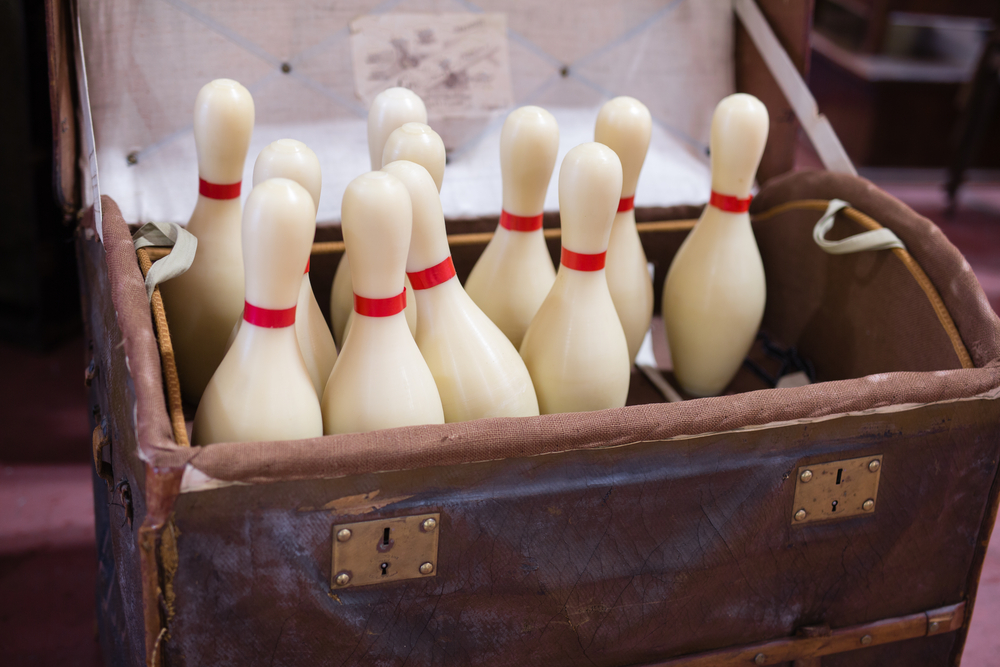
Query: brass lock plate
(386, 550)
(836, 490)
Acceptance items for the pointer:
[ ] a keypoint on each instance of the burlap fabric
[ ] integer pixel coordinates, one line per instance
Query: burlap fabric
(894, 342)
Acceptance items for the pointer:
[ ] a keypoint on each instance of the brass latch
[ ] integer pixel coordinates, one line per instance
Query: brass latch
(836, 490)
(386, 550)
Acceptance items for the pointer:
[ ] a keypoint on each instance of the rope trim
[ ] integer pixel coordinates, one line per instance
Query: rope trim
(167, 360)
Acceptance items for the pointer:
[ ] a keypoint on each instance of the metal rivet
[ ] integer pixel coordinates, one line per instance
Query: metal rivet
(760, 659)
(868, 505)
(806, 475)
(343, 534)
(866, 640)
(801, 514)
(933, 627)
(874, 465)
(343, 579)
(428, 525)
(426, 568)
(286, 67)
(132, 158)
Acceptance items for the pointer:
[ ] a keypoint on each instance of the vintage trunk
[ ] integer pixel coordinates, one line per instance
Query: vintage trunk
(655, 534)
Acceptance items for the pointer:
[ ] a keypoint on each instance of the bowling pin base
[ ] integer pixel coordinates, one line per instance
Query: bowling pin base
(380, 380)
(593, 372)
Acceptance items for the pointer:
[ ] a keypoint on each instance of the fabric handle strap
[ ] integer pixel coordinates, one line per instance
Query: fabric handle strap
(433, 276)
(875, 239)
(380, 307)
(166, 234)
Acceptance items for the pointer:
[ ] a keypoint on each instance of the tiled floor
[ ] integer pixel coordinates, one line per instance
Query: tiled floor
(47, 559)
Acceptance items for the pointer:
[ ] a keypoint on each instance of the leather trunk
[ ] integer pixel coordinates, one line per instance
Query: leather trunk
(655, 534)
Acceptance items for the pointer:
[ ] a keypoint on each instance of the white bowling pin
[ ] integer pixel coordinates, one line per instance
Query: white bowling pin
(380, 379)
(514, 273)
(417, 143)
(713, 298)
(288, 158)
(575, 348)
(262, 390)
(391, 109)
(625, 125)
(204, 303)
(477, 371)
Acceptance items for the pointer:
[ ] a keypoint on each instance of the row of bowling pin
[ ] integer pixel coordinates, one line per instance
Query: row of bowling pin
(578, 332)
(713, 298)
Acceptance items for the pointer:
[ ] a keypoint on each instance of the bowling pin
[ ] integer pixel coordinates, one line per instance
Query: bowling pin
(380, 379)
(625, 125)
(417, 143)
(390, 109)
(204, 303)
(288, 158)
(477, 370)
(575, 348)
(713, 298)
(262, 390)
(514, 273)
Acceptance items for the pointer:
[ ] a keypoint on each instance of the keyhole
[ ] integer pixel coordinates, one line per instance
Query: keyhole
(833, 508)
(384, 566)
(839, 473)
(385, 533)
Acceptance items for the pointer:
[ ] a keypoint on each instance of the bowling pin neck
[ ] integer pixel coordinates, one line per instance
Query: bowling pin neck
(574, 279)
(729, 203)
(377, 221)
(590, 185)
(717, 222)
(433, 276)
(268, 318)
(625, 125)
(429, 238)
(279, 223)
(738, 136)
(385, 307)
(520, 223)
(529, 142)
(363, 326)
(583, 262)
(219, 191)
(626, 217)
(223, 123)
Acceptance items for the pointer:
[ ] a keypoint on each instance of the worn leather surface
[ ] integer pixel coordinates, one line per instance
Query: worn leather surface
(119, 596)
(607, 557)
(610, 556)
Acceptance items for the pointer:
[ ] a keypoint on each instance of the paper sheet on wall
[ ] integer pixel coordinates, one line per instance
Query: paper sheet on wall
(457, 63)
